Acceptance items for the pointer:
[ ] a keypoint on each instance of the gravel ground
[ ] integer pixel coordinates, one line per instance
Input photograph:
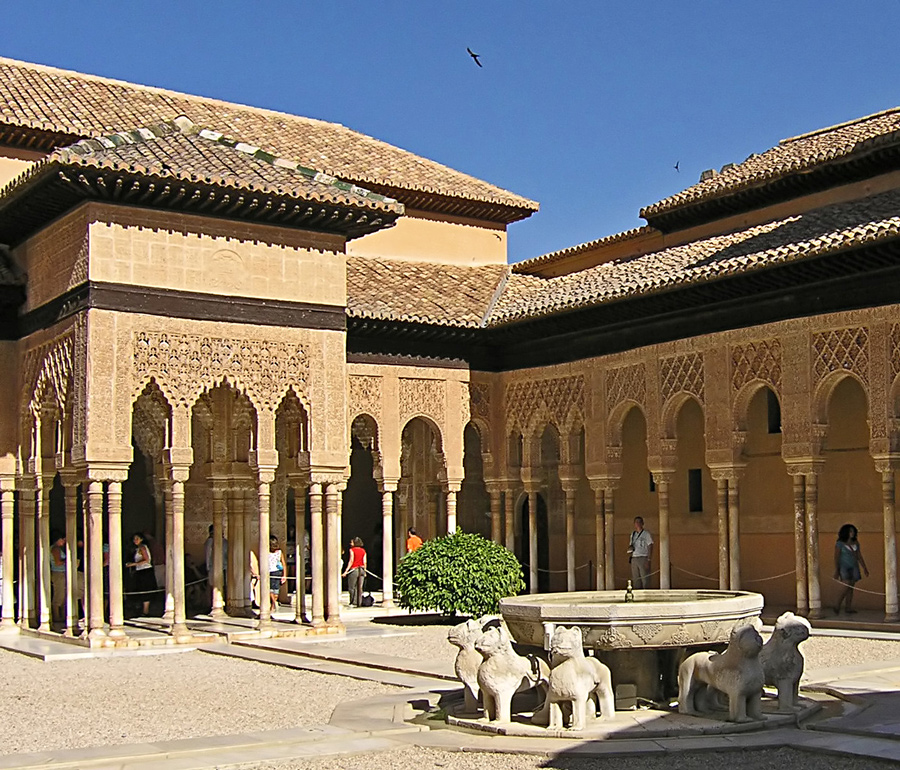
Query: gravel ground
(159, 697)
(430, 643)
(422, 759)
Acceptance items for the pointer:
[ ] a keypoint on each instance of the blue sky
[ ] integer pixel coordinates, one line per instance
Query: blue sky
(583, 106)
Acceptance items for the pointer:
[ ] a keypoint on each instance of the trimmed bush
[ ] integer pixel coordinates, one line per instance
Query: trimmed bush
(460, 574)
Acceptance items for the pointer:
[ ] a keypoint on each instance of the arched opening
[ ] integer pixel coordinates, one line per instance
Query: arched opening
(474, 506)
(850, 493)
(362, 500)
(636, 495)
(543, 544)
(766, 504)
(693, 518)
(421, 493)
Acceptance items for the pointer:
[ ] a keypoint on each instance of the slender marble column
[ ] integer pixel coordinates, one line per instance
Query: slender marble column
(299, 556)
(722, 510)
(317, 555)
(241, 555)
(218, 563)
(387, 541)
(532, 543)
(333, 556)
(665, 575)
(888, 492)
(812, 544)
(265, 504)
(496, 514)
(94, 500)
(42, 514)
(734, 535)
(7, 549)
(70, 491)
(179, 617)
(609, 510)
(570, 539)
(800, 542)
(599, 544)
(26, 547)
(509, 515)
(169, 611)
(248, 505)
(116, 596)
(451, 509)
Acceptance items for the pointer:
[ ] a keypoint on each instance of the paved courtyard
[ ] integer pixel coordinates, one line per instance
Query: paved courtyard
(194, 709)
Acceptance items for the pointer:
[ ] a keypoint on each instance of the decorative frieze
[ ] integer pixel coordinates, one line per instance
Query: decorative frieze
(757, 360)
(841, 349)
(420, 396)
(555, 400)
(365, 395)
(626, 383)
(681, 374)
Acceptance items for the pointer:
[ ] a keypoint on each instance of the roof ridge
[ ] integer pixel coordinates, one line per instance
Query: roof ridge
(185, 126)
(568, 251)
(836, 126)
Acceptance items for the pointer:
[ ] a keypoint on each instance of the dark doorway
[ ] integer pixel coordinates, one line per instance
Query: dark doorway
(543, 545)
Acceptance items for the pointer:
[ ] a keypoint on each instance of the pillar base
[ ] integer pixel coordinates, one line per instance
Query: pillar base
(8, 626)
(179, 629)
(390, 603)
(816, 614)
(169, 616)
(117, 633)
(97, 633)
(890, 617)
(218, 614)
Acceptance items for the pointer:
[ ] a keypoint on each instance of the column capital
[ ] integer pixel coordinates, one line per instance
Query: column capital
(259, 459)
(105, 472)
(326, 478)
(388, 485)
(663, 475)
(265, 474)
(452, 486)
(803, 466)
(727, 471)
(602, 483)
(886, 463)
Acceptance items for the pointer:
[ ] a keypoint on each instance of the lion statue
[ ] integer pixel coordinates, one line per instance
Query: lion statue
(468, 659)
(737, 673)
(782, 660)
(504, 673)
(577, 680)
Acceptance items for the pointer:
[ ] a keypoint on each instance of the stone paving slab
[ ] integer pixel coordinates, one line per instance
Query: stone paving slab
(50, 650)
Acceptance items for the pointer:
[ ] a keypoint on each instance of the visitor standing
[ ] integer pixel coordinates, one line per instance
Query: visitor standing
(144, 582)
(58, 577)
(158, 557)
(277, 570)
(848, 559)
(413, 541)
(356, 570)
(639, 552)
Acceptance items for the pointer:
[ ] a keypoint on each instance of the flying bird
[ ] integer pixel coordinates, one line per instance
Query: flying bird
(677, 164)
(474, 56)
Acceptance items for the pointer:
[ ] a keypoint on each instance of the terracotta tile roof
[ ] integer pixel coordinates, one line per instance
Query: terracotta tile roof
(790, 156)
(530, 265)
(179, 150)
(417, 292)
(829, 229)
(62, 101)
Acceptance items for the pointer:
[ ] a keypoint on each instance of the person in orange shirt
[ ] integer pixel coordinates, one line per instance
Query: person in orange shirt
(413, 541)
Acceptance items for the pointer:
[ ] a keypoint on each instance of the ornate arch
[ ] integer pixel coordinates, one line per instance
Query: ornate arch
(151, 416)
(825, 389)
(742, 399)
(616, 421)
(671, 410)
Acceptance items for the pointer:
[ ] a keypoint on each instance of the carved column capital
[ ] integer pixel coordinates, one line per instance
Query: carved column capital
(602, 483)
(803, 466)
(886, 463)
(730, 472)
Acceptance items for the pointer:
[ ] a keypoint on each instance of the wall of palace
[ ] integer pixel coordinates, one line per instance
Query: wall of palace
(725, 423)
(13, 161)
(421, 236)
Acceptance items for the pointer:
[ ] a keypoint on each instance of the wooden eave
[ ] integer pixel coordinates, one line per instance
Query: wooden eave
(871, 159)
(34, 139)
(57, 188)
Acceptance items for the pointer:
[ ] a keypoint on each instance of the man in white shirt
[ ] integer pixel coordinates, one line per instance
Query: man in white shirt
(639, 552)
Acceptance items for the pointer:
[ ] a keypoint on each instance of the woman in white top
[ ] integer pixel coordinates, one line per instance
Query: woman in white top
(144, 579)
(277, 570)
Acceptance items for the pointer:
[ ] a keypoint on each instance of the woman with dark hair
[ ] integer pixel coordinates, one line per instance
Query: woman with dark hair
(277, 572)
(144, 580)
(848, 559)
(356, 569)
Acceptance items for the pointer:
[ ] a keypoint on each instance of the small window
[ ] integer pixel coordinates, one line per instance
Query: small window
(695, 490)
(774, 412)
(652, 483)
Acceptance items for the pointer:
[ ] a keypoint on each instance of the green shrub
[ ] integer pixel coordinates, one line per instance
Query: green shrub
(458, 574)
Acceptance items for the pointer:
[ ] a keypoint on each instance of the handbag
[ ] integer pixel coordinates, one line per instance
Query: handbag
(367, 601)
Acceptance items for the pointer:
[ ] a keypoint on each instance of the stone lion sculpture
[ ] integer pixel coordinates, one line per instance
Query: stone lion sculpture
(468, 659)
(576, 679)
(737, 673)
(503, 673)
(782, 660)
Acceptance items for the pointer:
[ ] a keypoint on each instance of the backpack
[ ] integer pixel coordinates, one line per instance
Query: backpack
(367, 601)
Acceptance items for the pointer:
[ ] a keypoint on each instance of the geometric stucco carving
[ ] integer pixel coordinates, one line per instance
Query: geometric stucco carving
(559, 400)
(480, 400)
(626, 383)
(185, 365)
(422, 396)
(757, 360)
(682, 373)
(365, 395)
(841, 350)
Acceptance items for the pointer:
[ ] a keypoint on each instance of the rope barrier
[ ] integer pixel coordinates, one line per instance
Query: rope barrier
(862, 590)
(696, 575)
(557, 571)
(773, 577)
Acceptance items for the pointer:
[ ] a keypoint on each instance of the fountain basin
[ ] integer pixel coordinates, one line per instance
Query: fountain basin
(643, 642)
(655, 619)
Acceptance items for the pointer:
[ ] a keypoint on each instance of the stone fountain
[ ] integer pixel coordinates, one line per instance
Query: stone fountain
(643, 641)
